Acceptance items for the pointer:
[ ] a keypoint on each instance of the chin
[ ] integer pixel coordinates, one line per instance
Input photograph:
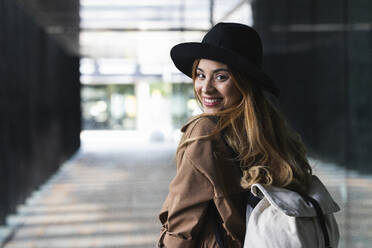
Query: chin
(211, 111)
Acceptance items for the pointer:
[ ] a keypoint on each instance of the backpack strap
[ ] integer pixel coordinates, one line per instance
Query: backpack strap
(321, 219)
(252, 200)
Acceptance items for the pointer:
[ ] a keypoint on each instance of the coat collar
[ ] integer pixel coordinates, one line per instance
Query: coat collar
(292, 203)
(194, 118)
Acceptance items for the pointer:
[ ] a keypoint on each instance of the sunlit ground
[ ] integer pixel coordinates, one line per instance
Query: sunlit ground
(110, 193)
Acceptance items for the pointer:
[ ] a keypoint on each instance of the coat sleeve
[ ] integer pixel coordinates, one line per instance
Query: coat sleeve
(189, 195)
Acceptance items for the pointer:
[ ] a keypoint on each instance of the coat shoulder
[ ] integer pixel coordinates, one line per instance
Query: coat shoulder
(199, 126)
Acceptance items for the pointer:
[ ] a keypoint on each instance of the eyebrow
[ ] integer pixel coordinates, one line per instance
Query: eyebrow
(217, 70)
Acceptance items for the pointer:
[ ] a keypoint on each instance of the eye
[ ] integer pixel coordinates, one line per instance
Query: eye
(221, 77)
(200, 75)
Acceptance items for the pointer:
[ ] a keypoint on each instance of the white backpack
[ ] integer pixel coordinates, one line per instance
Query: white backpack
(286, 219)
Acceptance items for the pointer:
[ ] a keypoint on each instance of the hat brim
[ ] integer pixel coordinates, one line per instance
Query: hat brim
(184, 55)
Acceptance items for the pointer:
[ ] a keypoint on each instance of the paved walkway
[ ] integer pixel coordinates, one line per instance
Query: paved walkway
(110, 198)
(353, 192)
(106, 197)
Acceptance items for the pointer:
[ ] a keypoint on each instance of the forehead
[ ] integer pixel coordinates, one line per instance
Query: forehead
(207, 64)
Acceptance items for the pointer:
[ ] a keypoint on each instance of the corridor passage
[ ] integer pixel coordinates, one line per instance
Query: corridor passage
(108, 195)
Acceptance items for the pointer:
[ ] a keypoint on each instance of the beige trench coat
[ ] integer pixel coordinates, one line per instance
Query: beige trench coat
(205, 174)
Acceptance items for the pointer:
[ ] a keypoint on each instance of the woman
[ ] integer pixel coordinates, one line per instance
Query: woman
(240, 140)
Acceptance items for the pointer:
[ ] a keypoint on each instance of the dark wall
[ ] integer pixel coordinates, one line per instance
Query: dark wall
(39, 105)
(320, 53)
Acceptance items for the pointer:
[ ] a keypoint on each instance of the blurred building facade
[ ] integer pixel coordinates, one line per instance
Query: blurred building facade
(39, 100)
(128, 53)
(319, 52)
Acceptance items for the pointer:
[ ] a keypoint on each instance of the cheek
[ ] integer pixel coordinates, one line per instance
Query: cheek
(232, 94)
(197, 89)
(236, 95)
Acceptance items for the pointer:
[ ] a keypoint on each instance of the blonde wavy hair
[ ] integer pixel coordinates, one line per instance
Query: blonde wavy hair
(269, 151)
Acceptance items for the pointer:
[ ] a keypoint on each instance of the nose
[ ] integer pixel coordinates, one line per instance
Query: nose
(208, 85)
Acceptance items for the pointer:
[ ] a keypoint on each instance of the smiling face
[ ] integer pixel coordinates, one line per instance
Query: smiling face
(214, 86)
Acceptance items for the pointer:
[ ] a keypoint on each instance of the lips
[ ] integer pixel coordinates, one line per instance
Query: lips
(211, 101)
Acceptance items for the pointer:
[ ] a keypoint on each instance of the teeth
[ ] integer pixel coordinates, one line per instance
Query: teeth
(211, 100)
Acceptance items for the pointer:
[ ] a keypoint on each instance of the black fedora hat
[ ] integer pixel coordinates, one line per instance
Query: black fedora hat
(234, 44)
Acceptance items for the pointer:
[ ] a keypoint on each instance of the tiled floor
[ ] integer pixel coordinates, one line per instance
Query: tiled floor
(110, 198)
